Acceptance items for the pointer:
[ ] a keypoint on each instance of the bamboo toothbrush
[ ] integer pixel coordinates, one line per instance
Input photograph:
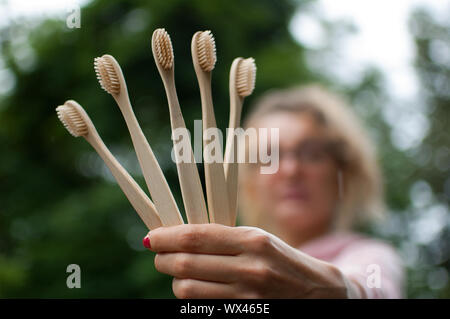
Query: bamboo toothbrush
(204, 58)
(112, 81)
(78, 123)
(191, 187)
(242, 83)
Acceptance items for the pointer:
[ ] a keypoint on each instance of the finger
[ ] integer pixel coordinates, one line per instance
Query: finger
(197, 238)
(196, 289)
(218, 268)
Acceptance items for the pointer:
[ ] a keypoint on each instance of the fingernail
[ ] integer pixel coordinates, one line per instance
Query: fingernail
(146, 242)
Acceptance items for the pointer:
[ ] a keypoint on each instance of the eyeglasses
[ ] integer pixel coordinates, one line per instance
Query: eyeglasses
(309, 152)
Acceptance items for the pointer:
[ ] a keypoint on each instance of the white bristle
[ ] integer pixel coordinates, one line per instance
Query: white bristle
(72, 120)
(206, 49)
(106, 75)
(164, 50)
(245, 77)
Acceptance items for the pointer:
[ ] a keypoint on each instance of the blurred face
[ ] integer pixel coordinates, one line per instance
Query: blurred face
(300, 197)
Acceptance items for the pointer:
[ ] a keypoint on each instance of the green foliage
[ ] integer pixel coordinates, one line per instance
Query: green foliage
(432, 42)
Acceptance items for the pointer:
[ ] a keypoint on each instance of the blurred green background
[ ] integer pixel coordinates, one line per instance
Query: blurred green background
(59, 205)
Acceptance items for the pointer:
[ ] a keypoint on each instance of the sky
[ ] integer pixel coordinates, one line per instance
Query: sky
(38, 8)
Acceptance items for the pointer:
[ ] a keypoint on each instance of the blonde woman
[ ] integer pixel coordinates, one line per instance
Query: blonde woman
(301, 243)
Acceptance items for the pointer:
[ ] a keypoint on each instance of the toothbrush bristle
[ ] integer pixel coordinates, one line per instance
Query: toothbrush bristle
(206, 48)
(72, 120)
(164, 50)
(245, 77)
(107, 75)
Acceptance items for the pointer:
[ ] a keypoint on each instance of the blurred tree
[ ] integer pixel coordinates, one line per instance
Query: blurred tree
(430, 277)
(432, 41)
(58, 203)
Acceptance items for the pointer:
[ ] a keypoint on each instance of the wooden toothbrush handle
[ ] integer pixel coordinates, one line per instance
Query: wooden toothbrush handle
(154, 177)
(231, 166)
(216, 188)
(191, 187)
(138, 199)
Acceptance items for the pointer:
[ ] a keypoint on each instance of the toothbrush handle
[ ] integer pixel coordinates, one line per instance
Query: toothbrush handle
(191, 187)
(216, 187)
(231, 166)
(138, 199)
(154, 177)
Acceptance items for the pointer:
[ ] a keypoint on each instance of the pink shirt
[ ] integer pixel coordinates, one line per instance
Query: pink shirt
(372, 264)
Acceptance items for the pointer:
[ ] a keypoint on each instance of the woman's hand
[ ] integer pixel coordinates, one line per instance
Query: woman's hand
(216, 261)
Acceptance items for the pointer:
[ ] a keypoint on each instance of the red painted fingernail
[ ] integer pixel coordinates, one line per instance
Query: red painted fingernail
(146, 242)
